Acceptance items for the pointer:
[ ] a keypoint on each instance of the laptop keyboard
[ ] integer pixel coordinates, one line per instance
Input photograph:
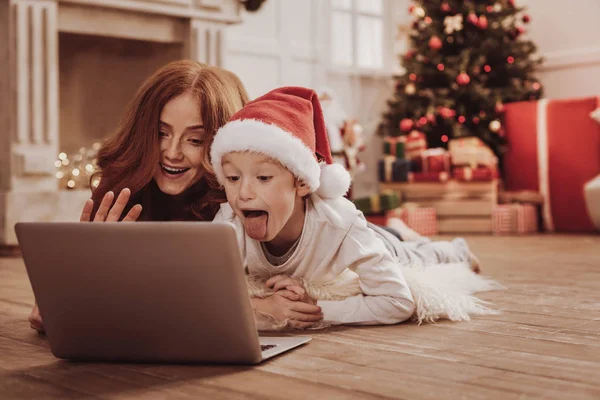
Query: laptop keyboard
(264, 347)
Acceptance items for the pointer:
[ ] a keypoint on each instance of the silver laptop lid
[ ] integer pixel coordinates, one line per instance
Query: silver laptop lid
(145, 291)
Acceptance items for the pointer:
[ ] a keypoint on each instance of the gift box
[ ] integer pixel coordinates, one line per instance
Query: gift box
(553, 148)
(514, 219)
(392, 169)
(435, 160)
(394, 146)
(422, 220)
(428, 176)
(415, 144)
(377, 203)
(479, 174)
(471, 151)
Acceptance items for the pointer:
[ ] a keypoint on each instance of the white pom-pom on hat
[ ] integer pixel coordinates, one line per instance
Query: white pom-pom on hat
(334, 181)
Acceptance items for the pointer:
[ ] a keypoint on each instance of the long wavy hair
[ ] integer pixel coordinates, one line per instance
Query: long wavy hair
(129, 159)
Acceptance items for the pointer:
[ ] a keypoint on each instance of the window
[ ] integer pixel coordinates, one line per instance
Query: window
(357, 34)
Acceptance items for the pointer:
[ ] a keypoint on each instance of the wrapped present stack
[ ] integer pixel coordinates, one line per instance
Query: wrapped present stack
(375, 207)
(460, 184)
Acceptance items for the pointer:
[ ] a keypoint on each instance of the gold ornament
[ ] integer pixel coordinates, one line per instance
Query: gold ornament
(495, 126)
(419, 12)
(410, 89)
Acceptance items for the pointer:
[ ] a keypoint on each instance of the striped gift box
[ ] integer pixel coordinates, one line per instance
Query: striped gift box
(514, 219)
(422, 220)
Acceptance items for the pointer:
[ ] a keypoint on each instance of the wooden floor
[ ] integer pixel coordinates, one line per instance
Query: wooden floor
(546, 344)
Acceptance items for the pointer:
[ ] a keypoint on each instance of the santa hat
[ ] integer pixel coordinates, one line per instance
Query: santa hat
(287, 125)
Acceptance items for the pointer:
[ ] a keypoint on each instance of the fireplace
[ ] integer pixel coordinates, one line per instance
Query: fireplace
(72, 67)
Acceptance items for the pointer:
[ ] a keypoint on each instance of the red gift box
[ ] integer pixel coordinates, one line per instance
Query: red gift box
(428, 176)
(554, 148)
(416, 143)
(422, 220)
(514, 219)
(435, 160)
(481, 174)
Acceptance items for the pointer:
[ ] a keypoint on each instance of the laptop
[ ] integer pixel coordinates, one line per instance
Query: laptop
(144, 292)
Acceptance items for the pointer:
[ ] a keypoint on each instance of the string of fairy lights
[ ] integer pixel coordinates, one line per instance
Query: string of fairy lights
(74, 171)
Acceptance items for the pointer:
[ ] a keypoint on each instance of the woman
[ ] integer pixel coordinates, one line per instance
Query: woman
(158, 160)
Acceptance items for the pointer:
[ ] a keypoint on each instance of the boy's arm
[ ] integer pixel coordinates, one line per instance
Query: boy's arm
(386, 298)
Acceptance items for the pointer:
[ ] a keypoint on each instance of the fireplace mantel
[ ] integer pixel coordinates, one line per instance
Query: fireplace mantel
(32, 77)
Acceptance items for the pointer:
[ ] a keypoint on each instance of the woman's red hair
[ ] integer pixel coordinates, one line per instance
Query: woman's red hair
(129, 159)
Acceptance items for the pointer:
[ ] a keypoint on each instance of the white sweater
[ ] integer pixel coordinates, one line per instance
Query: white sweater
(335, 237)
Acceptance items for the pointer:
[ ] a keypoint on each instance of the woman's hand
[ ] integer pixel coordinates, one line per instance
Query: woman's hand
(298, 314)
(107, 214)
(35, 319)
(293, 287)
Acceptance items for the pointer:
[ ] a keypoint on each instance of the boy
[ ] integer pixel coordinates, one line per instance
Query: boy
(285, 199)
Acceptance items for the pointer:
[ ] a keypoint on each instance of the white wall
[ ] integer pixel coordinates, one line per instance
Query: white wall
(568, 36)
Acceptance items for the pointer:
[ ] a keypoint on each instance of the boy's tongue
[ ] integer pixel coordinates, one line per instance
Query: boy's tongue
(256, 224)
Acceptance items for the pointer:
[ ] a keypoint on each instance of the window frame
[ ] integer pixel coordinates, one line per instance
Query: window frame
(388, 33)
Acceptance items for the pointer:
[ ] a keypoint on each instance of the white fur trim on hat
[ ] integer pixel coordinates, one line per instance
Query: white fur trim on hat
(270, 140)
(335, 181)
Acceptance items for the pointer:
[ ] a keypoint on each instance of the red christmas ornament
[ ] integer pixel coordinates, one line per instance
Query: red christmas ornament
(510, 59)
(521, 30)
(430, 118)
(475, 120)
(489, 9)
(445, 7)
(463, 79)
(428, 20)
(411, 8)
(536, 86)
(440, 67)
(435, 43)
(487, 68)
(473, 19)
(512, 3)
(461, 119)
(409, 55)
(445, 138)
(406, 125)
(423, 121)
(446, 112)
(412, 77)
(483, 22)
(526, 18)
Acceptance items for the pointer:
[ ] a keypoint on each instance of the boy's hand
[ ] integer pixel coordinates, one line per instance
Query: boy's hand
(279, 282)
(298, 314)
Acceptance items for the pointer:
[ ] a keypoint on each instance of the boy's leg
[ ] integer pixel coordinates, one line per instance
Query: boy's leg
(407, 234)
(427, 252)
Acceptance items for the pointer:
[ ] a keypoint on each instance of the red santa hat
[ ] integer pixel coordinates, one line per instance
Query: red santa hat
(287, 125)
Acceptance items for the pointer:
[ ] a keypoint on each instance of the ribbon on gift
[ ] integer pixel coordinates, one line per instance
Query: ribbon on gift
(394, 146)
(435, 160)
(415, 144)
(388, 168)
(375, 201)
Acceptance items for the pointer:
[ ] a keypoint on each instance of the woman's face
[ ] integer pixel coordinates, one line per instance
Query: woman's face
(182, 147)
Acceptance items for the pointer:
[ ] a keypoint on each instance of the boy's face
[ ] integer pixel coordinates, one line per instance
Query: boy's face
(265, 195)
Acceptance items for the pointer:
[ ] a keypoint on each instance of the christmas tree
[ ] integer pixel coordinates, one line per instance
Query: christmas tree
(466, 60)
